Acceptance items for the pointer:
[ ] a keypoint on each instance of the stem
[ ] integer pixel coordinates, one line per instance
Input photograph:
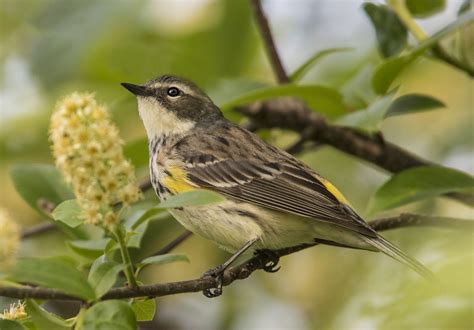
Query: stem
(402, 12)
(269, 43)
(438, 51)
(234, 273)
(129, 273)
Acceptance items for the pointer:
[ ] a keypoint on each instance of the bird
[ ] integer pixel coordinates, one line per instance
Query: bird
(272, 200)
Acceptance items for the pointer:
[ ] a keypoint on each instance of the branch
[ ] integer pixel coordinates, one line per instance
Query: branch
(48, 207)
(264, 28)
(419, 220)
(239, 272)
(177, 241)
(293, 114)
(399, 7)
(38, 229)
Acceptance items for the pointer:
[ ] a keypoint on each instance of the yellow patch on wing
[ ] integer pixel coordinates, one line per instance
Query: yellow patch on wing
(177, 182)
(334, 191)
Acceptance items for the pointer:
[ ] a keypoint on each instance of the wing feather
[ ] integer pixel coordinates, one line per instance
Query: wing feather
(275, 180)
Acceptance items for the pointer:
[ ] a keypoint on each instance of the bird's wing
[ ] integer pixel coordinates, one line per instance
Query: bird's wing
(269, 178)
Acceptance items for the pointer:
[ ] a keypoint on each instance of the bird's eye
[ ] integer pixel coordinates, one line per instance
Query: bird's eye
(173, 91)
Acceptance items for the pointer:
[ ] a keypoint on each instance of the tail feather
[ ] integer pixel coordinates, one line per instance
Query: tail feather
(391, 250)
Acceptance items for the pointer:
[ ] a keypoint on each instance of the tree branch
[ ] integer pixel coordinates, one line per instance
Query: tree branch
(239, 272)
(399, 7)
(177, 241)
(37, 229)
(293, 114)
(264, 28)
(419, 220)
(48, 207)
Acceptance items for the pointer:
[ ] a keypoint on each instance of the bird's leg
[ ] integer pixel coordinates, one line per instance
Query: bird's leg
(271, 260)
(218, 272)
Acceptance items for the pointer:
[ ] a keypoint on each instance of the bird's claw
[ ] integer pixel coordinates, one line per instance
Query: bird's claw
(218, 274)
(271, 261)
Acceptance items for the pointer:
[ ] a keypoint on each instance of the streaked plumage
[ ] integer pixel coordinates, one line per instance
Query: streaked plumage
(270, 195)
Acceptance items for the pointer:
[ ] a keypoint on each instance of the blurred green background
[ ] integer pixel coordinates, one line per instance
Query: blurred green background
(53, 47)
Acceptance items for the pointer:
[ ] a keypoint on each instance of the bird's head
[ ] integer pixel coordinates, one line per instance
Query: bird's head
(172, 105)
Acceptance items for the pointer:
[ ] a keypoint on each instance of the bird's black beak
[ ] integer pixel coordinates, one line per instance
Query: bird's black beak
(135, 89)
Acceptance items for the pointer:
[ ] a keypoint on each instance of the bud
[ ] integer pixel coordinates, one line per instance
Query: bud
(88, 151)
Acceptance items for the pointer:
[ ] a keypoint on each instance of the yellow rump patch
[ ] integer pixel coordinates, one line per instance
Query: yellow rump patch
(177, 181)
(334, 191)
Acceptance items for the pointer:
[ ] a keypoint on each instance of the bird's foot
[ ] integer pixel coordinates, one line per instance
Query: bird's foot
(270, 259)
(218, 274)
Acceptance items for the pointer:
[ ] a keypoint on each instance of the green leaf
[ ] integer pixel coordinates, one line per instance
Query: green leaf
(43, 319)
(368, 119)
(462, 20)
(228, 89)
(89, 248)
(110, 314)
(103, 275)
(357, 91)
(37, 182)
(10, 325)
(137, 152)
(419, 183)
(40, 183)
(313, 60)
(68, 212)
(391, 33)
(425, 8)
(160, 260)
(146, 215)
(411, 103)
(191, 198)
(134, 237)
(386, 72)
(323, 99)
(163, 259)
(53, 273)
(144, 309)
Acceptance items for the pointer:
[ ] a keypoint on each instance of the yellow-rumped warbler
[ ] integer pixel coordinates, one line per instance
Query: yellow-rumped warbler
(273, 200)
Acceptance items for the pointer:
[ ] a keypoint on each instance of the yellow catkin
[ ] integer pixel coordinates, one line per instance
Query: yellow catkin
(15, 312)
(88, 151)
(9, 241)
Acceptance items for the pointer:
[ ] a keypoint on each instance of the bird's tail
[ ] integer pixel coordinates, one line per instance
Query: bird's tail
(391, 250)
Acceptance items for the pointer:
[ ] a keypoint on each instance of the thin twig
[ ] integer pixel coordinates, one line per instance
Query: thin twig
(298, 146)
(399, 7)
(173, 244)
(293, 114)
(264, 28)
(443, 55)
(144, 185)
(38, 229)
(419, 220)
(239, 272)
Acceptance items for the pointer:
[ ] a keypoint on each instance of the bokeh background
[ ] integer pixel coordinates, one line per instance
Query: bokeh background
(49, 48)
